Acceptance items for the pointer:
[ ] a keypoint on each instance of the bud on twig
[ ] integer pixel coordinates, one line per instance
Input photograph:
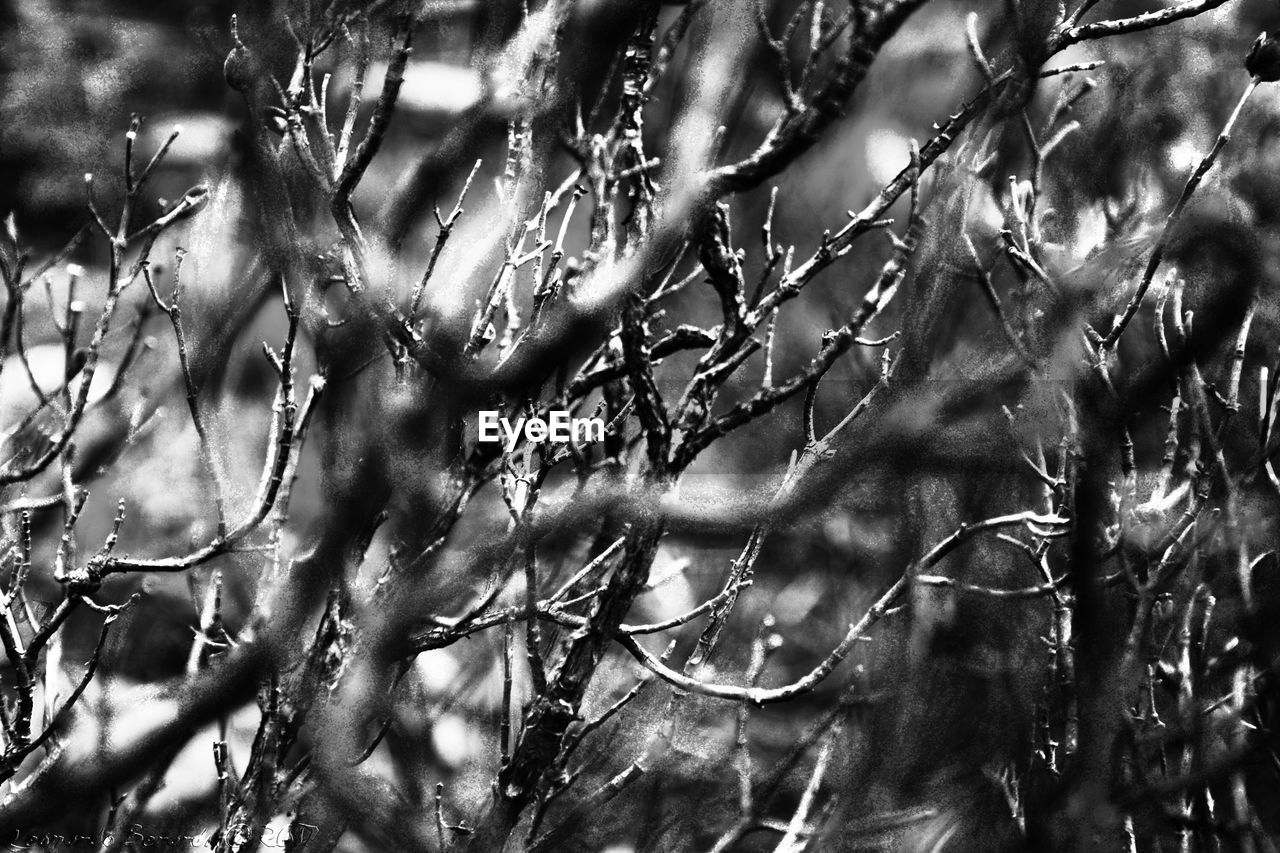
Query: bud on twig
(1263, 59)
(242, 69)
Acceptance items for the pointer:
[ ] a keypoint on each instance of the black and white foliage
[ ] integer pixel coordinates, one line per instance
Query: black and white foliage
(926, 359)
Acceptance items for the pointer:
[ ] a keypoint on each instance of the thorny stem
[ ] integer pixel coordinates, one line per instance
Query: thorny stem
(1157, 252)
